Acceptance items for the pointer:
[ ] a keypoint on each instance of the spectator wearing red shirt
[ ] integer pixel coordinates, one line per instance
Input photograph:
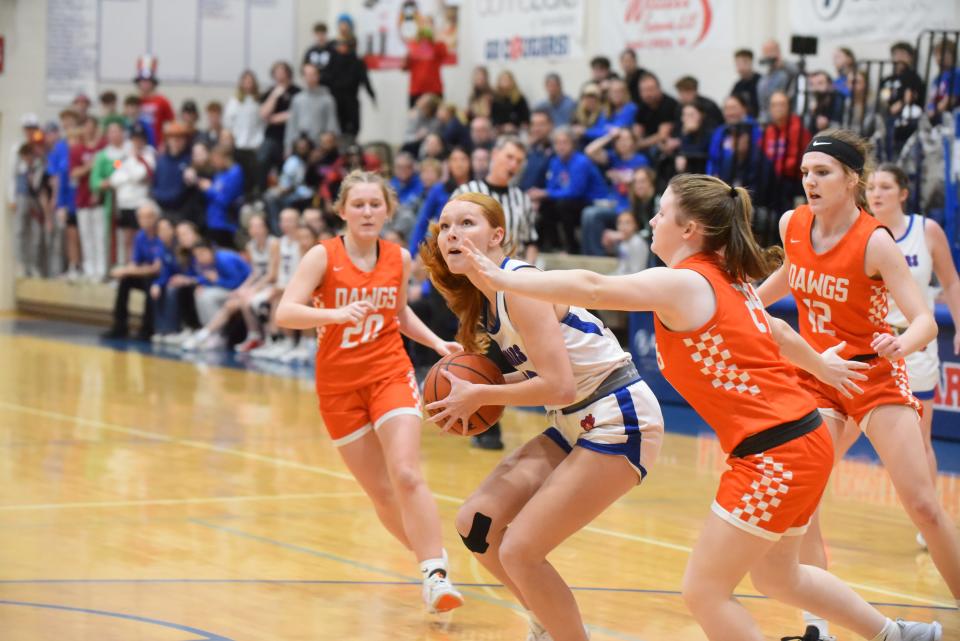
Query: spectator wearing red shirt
(91, 219)
(154, 107)
(424, 58)
(783, 143)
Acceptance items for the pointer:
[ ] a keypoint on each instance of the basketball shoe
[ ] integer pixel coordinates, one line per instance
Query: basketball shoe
(439, 595)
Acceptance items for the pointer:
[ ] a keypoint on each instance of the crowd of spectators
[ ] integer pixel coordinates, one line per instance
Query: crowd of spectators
(208, 216)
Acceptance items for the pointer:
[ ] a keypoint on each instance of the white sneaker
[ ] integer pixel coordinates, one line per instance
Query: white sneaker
(212, 343)
(301, 354)
(280, 349)
(922, 542)
(913, 631)
(176, 340)
(439, 595)
(193, 342)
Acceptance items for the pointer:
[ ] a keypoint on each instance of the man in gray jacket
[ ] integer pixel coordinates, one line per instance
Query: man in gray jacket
(312, 111)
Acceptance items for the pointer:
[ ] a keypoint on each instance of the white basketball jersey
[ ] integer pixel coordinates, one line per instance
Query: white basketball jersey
(593, 349)
(289, 258)
(260, 257)
(913, 244)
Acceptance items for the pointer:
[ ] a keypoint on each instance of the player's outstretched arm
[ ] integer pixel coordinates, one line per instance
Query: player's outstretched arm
(296, 310)
(657, 289)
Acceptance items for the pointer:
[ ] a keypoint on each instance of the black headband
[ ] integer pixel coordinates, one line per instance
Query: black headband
(842, 151)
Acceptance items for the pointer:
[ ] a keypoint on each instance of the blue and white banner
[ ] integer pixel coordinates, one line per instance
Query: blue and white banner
(513, 30)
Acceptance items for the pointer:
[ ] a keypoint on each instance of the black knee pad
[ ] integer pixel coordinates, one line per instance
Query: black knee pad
(476, 540)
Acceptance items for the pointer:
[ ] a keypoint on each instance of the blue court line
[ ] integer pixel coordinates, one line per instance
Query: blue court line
(384, 571)
(654, 591)
(203, 635)
(498, 586)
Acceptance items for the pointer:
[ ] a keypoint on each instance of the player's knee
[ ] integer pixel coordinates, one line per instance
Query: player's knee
(517, 551)
(769, 579)
(474, 527)
(407, 479)
(924, 510)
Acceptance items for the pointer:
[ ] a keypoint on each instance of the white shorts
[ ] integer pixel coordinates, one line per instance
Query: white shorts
(626, 422)
(923, 371)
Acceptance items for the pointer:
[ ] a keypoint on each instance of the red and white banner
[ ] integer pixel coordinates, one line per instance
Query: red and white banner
(667, 25)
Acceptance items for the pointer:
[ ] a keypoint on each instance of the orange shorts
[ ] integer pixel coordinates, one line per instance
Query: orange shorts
(351, 415)
(887, 384)
(775, 493)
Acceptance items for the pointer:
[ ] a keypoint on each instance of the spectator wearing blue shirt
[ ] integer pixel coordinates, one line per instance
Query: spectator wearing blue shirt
(453, 131)
(64, 228)
(132, 116)
(945, 89)
(219, 272)
(223, 195)
(405, 180)
(560, 106)
(173, 288)
(144, 266)
(169, 190)
(458, 168)
(573, 182)
(619, 112)
(735, 148)
(539, 151)
(846, 64)
(619, 164)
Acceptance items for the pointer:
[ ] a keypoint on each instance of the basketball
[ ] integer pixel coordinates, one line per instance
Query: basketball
(475, 368)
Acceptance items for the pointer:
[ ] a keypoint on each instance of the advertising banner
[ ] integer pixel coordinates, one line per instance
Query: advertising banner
(513, 30)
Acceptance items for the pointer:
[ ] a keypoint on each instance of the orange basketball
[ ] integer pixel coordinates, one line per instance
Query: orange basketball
(475, 368)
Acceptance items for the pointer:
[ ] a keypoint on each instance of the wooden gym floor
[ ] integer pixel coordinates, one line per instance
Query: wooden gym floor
(153, 499)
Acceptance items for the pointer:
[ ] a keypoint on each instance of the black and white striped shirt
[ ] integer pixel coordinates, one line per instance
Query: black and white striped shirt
(517, 210)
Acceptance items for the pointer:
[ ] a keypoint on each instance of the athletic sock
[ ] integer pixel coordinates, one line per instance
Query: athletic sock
(820, 624)
(890, 632)
(429, 567)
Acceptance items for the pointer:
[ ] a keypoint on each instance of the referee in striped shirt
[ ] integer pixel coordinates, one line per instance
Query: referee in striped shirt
(506, 162)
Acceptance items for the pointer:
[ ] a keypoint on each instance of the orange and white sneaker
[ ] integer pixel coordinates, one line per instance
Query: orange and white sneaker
(439, 595)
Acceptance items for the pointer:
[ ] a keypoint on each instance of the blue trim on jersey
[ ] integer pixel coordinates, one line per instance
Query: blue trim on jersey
(909, 227)
(629, 412)
(503, 263)
(524, 267)
(630, 450)
(925, 395)
(574, 321)
(486, 321)
(554, 435)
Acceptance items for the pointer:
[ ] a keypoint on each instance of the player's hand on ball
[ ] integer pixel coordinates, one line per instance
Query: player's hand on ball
(487, 270)
(457, 407)
(887, 346)
(355, 312)
(445, 348)
(839, 373)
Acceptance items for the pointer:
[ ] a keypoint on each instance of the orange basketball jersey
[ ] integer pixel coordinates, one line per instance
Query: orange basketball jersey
(352, 356)
(730, 370)
(836, 300)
